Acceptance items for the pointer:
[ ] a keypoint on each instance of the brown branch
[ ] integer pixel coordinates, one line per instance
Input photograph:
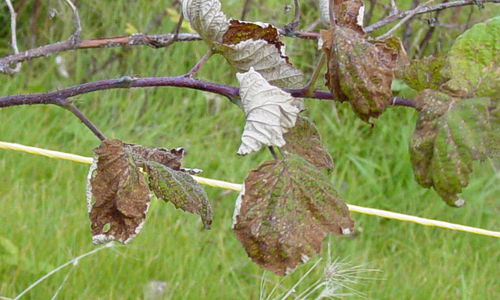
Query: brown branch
(231, 92)
(13, 16)
(423, 10)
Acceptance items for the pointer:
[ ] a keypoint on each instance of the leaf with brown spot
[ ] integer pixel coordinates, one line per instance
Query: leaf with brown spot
(119, 192)
(169, 158)
(179, 188)
(240, 31)
(285, 210)
(450, 134)
(304, 140)
(360, 71)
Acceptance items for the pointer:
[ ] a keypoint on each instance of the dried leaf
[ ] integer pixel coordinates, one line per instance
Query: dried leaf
(206, 17)
(285, 211)
(304, 140)
(423, 73)
(473, 63)
(270, 112)
(169, 158)
(359, 71)
(450, 134)
(243, 44)
(180, 189)
(120, 193)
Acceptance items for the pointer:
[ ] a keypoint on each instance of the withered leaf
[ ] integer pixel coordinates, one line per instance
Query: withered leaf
(285, 210)
(360, 71)
(304, 140)
(180, 189)
(270, 112)
(243, 44)
(450, 133)
(120, 193)
(169, 158)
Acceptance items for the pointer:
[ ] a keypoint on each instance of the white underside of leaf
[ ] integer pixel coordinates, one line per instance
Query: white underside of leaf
(324, 11)
(270, 112)
(206, 17)
(88, 187)
(237, 206)
(265, 58)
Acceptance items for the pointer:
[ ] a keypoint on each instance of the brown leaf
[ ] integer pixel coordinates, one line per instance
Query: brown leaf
(359, 71)
(304, 140)
(120, 192)
(285, 210)
(240, 31)
(169, 158)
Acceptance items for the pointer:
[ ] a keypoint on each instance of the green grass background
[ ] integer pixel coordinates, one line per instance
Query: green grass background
(43, 218)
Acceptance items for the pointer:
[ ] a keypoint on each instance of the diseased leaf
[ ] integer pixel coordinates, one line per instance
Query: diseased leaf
(243, 44)
(169, 158)
(473, 63)
(270, 112)
(206, 17)
(180, 189)
(285, 211)
(120, 193)
(423, 73)
(360, 71)
(450, 134)
(304, 140)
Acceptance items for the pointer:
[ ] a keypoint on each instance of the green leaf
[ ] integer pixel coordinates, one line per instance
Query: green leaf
(450, 134)
(285, 210)
(423, 73)
(180, 189)
(304, 140)
(473, 63)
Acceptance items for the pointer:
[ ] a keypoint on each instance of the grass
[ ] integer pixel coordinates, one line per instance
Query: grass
(43, 215)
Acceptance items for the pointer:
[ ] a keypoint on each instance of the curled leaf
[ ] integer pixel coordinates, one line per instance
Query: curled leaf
(118, 195)
(243, 44)
(285, 211)
(180, 189)
(206, 17)
(358, 71)
(450, 134)
(119, 192)
(473, 63)
(270, 112)
(304, 140)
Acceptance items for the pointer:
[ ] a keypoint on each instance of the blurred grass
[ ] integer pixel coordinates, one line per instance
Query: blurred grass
(43, 213)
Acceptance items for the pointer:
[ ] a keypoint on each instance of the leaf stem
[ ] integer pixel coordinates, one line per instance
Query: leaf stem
(200, 63)
(309, 87)
(273, 153)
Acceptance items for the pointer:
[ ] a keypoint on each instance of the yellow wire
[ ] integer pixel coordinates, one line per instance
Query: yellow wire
(237, 187)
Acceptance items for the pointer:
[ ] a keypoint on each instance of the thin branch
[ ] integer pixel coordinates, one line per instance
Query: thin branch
(423, 10)
(406, 18)
(200, 63)
(126, 82)
(246, 8)
(310, 85)
(13, 16)
(75, 37)
(290, 27)
(154, 41)
(75, 111)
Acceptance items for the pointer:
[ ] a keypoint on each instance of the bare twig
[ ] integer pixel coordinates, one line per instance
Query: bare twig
(75, 37)
(331, 13)
(176, 31)
(423, 10)
(75, 111)
(394, 8)
(200, 63)
(13, 16)
(290, 27)
(154, 41)
(406, 18)
(310, 85)
(231, 92)
(246, 8)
